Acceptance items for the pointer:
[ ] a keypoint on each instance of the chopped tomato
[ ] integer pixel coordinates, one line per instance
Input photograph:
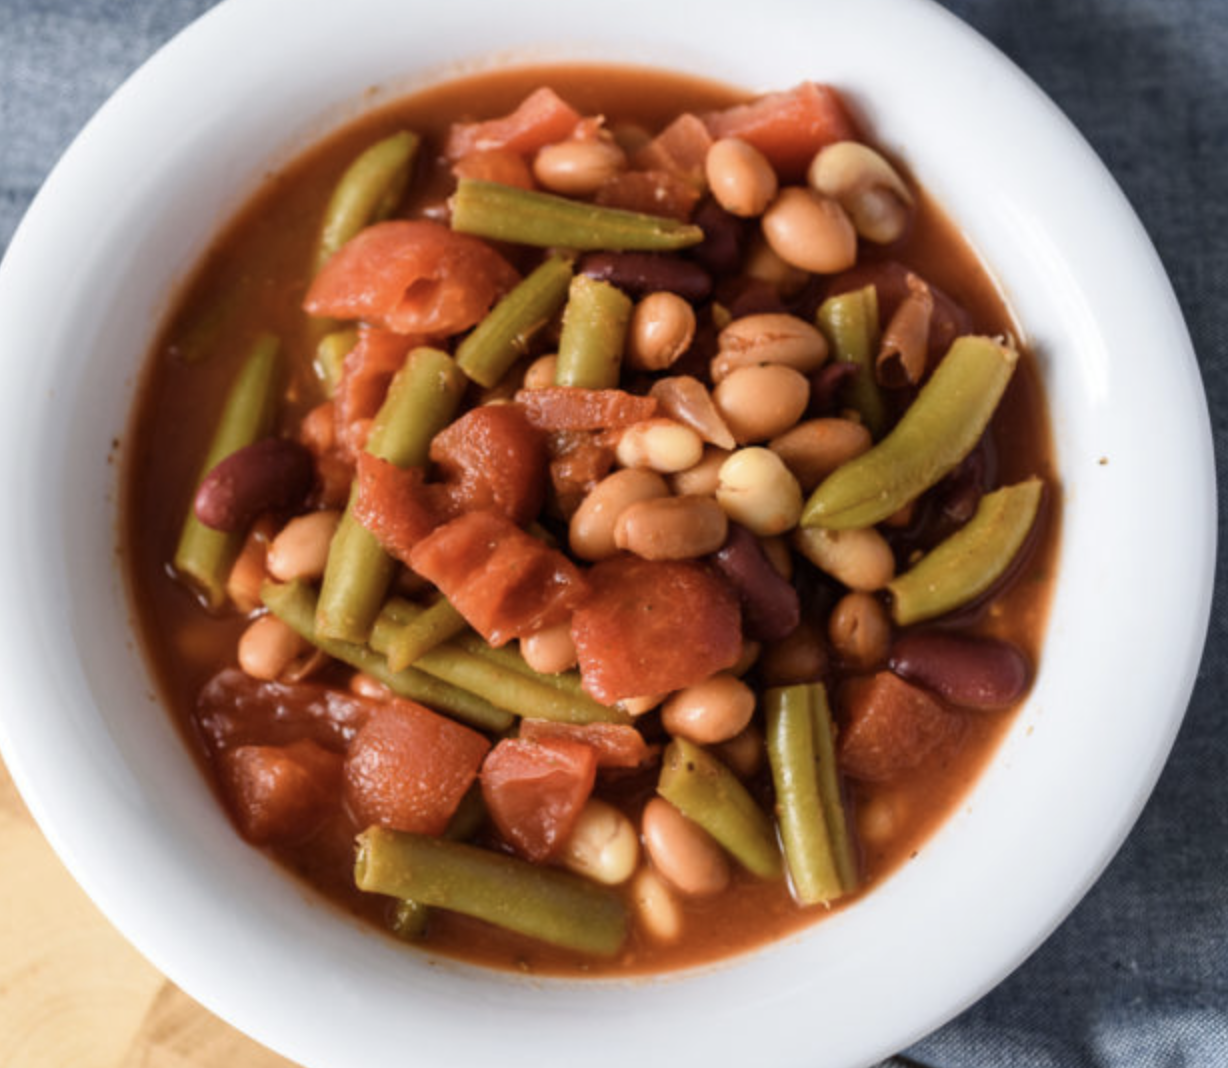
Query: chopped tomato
(889, 726)
(653, 626)
(493, 458)
(368, 369)
(411, 277)
(617, 745)
(396, 505)
(409, 767)
(495, 165)
(789, 127)
(506, 583)
(280, 793)
(534, 791)
(542, 118)
(578, 461)
(680, 149)
(651, 192)
(574, 408)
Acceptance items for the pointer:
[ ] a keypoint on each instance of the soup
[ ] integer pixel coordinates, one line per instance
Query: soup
(619, 517)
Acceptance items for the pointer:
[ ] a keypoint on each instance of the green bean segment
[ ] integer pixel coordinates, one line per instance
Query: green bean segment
(295, 605)
(331, 352)
(813, 828)
(421, 401)
(544, 903)
(368, 191)
(594, 333)
(436, 624)
(707, 792)
(500, 339)
(204, 556)
(850, 323)
(544, 220)
(966, 564)
(940, 427)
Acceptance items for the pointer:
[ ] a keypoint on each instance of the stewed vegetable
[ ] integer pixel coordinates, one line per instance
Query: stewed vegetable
(596, 534)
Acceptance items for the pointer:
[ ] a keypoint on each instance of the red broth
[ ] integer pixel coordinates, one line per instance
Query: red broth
(254, 279)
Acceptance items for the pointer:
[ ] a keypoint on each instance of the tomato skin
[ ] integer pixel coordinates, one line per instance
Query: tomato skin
(409, 767)
(542, 118)
(506, 583)
(411, 277)
(280, 793)
(890, 726)
(616, 745)
(654, 626)
(574, 408)
(534, 791)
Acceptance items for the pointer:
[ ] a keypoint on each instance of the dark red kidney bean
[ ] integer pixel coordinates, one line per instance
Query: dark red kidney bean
(750, 296)
(963, 488)
(268, 475)
(771, 609)
(971, 672)
(826, 384)
(724, 238)
(648, 272)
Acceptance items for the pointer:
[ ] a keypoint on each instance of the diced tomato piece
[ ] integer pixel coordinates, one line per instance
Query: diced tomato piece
(889, 726)
(368, 370)
(396, 504)
(542, 118)
(409, 767)
(280, 793)
(651, 192)
(495, 165)
(504, 582)
(680, 149)
(493, 458)
(653, 626)
(411, 277)
(534, 791)
(573, 408)
(578, 461)
(788, 127)
(617, 745)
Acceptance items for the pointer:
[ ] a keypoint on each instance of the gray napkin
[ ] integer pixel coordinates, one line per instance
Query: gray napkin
(1138, 975)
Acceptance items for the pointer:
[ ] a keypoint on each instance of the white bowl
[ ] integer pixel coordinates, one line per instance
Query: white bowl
(85, 284)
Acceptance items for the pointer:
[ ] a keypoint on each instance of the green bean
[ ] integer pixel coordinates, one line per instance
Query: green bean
(543, 903)
(966, 564)
(436, 624)
(829, 789)
(523, 217)
(204, 556)
(809, 822)
(703, 789)
(368, 191)
(940, 427)
(594, 332)
(409, 919)
(295, 605)
(421, 401)
(850, 323)
(511, 690)
(503, 336)
(331, 352)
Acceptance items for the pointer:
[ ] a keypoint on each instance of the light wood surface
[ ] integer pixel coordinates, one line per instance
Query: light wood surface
(73, 993)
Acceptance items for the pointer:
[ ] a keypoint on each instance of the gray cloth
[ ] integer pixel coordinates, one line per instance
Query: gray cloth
(1138, 975)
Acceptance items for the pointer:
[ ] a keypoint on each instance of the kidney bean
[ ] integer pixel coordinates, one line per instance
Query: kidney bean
(983, 673)
(638, 273)
(268, 475)
(770, 606)
(963, 488)
(826, 384)
(724, 237)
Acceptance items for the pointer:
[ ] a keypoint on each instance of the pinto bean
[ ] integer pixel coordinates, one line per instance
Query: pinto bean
(770, 605)
(639, 273)
(983, 673)
(268, 475)
(671, 528)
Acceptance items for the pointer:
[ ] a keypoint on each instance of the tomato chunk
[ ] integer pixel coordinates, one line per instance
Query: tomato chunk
(788, 127)
(680, 149)
(505, 582)
(616, 745)
(890, 726)
(493, 457)
(280, 793)
(652, 192)
(534, 791)
(574, 408)
(495, 165)
(542, 118)
(368, 370)
(409, 767)
(411, 277)
(653, 626)
(396, 504)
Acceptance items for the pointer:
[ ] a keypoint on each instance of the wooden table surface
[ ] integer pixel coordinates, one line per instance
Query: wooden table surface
(73, 993)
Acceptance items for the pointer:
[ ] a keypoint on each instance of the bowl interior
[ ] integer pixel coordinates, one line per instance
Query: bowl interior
(95, 266)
